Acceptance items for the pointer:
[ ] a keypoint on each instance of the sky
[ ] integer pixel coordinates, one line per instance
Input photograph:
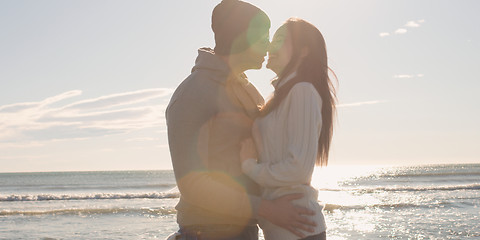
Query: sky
(84, 84)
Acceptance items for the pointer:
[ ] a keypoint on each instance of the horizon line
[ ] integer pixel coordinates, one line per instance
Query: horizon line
(171, 169)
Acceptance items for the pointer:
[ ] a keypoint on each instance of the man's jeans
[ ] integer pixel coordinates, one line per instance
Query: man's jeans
(249, 233)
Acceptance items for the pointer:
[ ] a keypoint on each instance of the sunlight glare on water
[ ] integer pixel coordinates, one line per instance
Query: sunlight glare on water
(332, 181)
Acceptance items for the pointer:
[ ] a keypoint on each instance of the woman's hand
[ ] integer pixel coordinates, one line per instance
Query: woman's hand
(248, 150)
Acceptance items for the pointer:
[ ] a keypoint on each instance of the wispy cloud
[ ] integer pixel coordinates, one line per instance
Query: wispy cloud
(403, 29)
(21, 145)
(356, 104)
(61, 97)
(384, 34)
(407, 76)
(403, 76)
(18, 107)
(412, 24)
(106, 115)
(22, 157)
(120, 99)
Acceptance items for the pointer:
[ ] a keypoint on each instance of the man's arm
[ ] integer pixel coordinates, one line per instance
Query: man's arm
(283, 213)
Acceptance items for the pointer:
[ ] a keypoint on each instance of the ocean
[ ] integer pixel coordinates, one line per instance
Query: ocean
(361, 202)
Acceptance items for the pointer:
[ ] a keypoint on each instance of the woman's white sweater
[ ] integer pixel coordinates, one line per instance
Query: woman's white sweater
(287, 144)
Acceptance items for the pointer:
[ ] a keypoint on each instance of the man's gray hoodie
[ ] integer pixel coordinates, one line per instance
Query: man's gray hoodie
(208, 116)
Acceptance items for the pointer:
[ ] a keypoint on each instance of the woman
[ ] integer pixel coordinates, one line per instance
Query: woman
(294, 130)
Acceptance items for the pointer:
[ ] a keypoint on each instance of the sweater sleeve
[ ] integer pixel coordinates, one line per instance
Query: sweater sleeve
(188, 121)
(304, 122)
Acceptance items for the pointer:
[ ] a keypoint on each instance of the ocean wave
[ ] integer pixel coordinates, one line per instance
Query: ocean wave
(88, 187)
(332, 207)
(57, 197)
(92, 211)
(405, 189)
(430, 174)
(424, 188)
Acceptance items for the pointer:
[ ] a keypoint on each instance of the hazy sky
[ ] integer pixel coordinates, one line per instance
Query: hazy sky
(84, 84)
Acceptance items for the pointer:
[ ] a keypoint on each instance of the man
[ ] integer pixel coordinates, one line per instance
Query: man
(208, 116)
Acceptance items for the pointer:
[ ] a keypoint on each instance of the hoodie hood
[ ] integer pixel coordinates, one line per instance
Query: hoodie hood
(208, 61)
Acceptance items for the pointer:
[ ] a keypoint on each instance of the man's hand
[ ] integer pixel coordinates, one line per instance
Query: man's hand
(283, 213)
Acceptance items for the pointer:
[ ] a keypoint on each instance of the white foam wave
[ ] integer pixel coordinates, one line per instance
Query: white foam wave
(91, 211)
(57, 197)
(406, 189)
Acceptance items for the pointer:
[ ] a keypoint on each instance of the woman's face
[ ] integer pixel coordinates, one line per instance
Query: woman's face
(280, 51)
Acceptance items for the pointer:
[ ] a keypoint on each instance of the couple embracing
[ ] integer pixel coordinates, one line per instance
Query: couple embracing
(239, 162)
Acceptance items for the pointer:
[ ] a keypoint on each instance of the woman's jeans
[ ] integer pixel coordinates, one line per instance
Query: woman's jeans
(321, 236)
(249, 233)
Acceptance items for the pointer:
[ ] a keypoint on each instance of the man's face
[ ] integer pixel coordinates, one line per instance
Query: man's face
(255, 55)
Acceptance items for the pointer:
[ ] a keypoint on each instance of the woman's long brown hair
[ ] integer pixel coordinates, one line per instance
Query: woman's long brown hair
(312, 68)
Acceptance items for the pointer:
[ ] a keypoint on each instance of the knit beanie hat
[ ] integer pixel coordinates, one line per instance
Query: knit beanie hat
(237, 25)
